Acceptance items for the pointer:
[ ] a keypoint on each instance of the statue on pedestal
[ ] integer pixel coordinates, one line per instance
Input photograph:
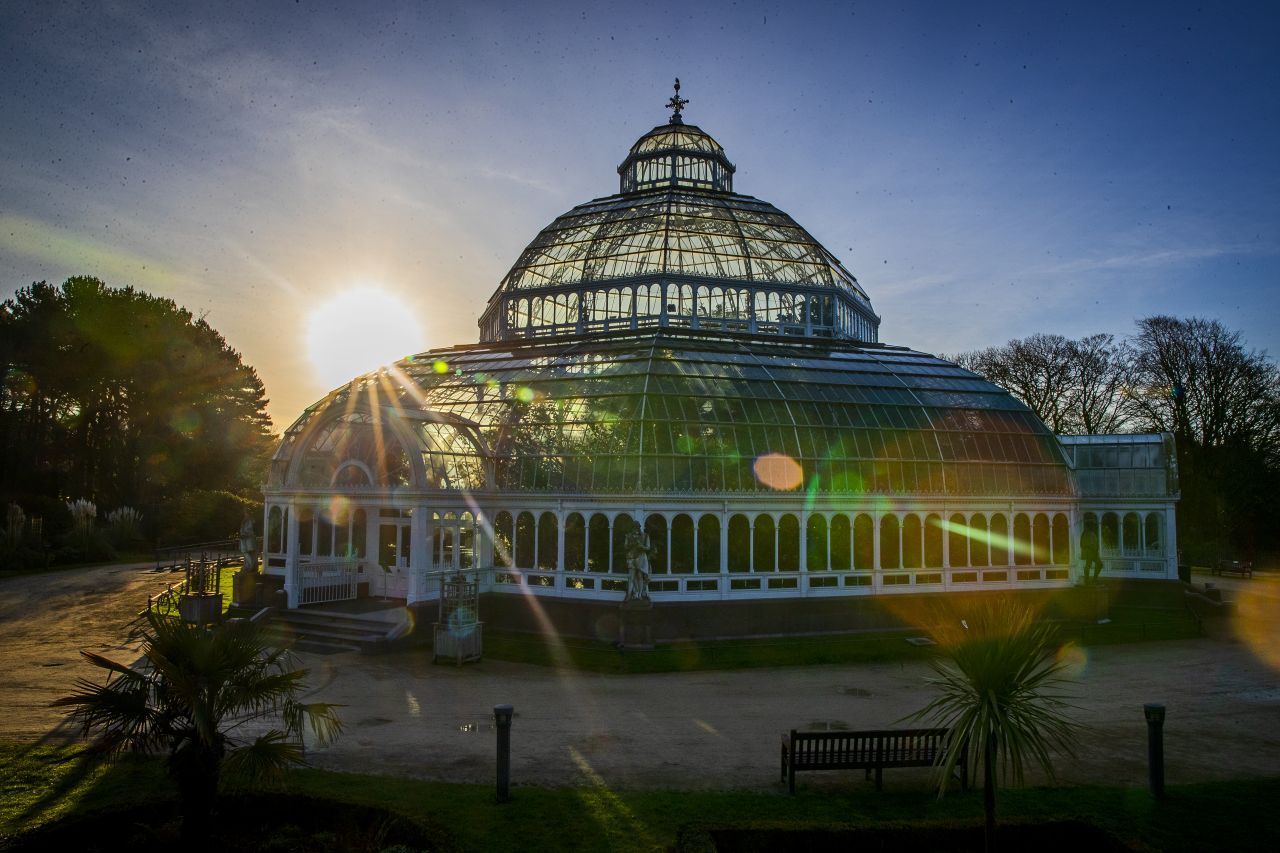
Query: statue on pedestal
(637, 544)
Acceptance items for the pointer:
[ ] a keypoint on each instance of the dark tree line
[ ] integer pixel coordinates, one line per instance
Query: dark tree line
(1192, 377)
(122, 398)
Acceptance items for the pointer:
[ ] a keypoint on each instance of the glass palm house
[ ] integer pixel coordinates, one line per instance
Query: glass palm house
(687, 359)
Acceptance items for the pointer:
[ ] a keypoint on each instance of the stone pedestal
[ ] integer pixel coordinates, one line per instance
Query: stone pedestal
(635, 624)
(245, 588)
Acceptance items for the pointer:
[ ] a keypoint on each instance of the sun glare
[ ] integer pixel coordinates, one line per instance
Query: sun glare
(360, 330)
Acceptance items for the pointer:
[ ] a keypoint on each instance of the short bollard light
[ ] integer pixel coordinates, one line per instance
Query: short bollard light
(1155, 748)
(502, 715)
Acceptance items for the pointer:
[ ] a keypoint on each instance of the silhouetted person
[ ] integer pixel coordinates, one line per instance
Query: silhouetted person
(1089, 553)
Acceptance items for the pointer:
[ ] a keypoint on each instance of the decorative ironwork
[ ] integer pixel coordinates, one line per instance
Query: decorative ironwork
(677, 104)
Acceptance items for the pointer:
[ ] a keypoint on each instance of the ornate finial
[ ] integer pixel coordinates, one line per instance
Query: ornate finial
(677, 104)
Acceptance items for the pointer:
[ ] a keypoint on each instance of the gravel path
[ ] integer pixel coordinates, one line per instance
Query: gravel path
(407, 717)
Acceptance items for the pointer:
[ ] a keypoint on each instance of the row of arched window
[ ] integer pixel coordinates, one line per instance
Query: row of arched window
(686, 305)
(689, 543)
(1130, 535)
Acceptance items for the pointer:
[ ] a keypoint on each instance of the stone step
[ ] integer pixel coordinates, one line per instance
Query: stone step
(328, 632)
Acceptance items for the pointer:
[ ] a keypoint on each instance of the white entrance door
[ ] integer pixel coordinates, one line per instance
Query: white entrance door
(393, 557)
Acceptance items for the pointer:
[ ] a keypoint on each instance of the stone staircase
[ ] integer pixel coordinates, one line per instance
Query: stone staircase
(330, 632)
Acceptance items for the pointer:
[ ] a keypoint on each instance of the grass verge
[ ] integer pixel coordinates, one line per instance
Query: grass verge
(45, 783)
(1126, 625)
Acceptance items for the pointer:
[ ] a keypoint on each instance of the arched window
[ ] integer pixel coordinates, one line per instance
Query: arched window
(524, 540)
(1109, 535)
(275, 530)
(575, 543)
(655, 527)
(359, 533)
(999, 540)
(598, 543)
(815, 536)
(933, 542)
(1130, 541)
(324, 533)
(305, 532)
(739, 544)
(548, 541)
(911, 541)
(342, 532)
(709, 544)
(863, 542)
(682, 556)
(503, 538)
(1151, 531)
(788, 544)
(622, 525)
(889, 557)
(1061, 540)
(1040, 539)
(763, 538)
(979, 555)
(958, 543)
(841, 554)
(1021, 540)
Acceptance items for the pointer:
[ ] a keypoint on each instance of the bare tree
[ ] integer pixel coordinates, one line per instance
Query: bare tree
(1073, 386)
(1195, 378)
(1036, 369)
(1101, 371)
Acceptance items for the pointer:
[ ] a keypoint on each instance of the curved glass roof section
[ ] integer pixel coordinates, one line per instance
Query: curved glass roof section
(678, 233)
(674, 411)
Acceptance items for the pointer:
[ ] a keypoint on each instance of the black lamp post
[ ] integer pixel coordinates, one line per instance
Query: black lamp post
(1155, 748)
(502, 715)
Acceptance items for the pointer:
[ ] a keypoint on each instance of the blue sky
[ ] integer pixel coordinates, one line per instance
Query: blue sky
(986, 170)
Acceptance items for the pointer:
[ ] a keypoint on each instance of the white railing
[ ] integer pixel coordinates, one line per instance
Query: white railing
(333, 580)
(673, 587)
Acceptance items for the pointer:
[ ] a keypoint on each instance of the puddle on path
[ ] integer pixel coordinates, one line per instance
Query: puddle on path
(827, 726)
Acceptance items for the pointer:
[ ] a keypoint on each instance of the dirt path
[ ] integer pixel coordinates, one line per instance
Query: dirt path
(46, 619)
(702, 730)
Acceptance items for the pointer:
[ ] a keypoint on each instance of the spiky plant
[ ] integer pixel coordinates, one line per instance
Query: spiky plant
(999, 681)
(193, 697)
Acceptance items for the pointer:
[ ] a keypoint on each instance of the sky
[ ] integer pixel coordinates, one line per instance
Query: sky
(987, 171)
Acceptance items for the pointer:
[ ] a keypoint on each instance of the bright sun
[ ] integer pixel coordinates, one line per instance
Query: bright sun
(360, 330)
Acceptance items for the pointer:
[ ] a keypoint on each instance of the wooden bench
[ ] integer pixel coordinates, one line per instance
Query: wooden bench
(874, 750)
(1234, 567)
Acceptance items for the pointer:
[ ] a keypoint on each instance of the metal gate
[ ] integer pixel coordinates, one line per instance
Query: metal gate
(333, 580)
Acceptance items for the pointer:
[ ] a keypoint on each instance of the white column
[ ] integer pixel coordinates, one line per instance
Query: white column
(875, 542)
(724, 542)
(292, 574)
(946, 539)
(560, 561)
(420, 556)
(803, 562)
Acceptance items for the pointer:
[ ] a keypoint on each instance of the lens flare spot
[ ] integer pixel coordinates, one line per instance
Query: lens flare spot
(779, 471)
(1254, 619)
(1074, 660)
(524, 394)
(338, 506)
(440, 366)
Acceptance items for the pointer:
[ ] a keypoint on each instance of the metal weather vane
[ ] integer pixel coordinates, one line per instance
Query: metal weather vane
(677, 104)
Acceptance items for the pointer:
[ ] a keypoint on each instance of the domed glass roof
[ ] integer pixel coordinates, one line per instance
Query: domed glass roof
(675, 412)
(676, 246)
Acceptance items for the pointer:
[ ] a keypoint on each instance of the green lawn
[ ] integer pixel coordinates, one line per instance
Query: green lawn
(1127, 625)
(40, 784)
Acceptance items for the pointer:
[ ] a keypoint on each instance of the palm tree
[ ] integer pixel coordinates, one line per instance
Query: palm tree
(199, 688)
(1000, 684)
